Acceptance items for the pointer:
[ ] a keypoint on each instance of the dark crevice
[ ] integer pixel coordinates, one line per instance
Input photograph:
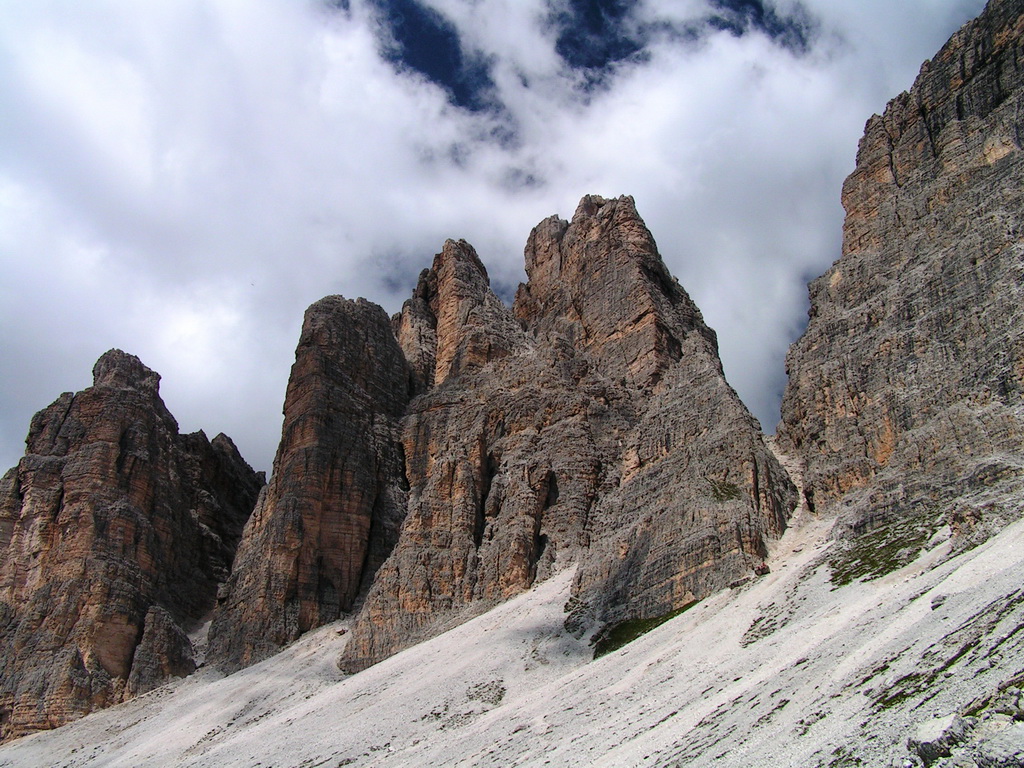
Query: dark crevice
(139, 634)
(490, 469)
(327, 597)
(809, 500)
(552, 495)
(403, 476)
(539, 545)
(658, 276)
(928, 130)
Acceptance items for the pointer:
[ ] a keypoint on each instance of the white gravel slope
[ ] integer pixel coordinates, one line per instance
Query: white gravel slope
(783, 671)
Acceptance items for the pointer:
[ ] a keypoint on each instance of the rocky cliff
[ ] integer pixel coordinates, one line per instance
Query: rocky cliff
(331, 512)
(589, 423)
(437, 463)
(116, 531)
(905, 393)
(502, 462)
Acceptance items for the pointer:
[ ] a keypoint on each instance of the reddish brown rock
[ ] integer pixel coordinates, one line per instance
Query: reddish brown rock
(453, 322)
(905, 392)
(600, 282)
(331, 512)
(116, 532)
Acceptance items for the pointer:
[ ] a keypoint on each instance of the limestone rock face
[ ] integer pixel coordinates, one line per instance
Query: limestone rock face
(332, 509)
(454, 322)
(598, 429)
(116, 532)
(905, 393)
(599, 282)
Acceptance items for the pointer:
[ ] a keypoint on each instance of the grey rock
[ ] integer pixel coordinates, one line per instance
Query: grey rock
(904, 398)
(591, 424)
(163, 653)
(937, 737)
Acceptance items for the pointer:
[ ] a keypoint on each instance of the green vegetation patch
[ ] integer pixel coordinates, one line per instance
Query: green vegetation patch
(843, 758)
(905, 688)
(613, 637)
(882, 550)
(724, 491)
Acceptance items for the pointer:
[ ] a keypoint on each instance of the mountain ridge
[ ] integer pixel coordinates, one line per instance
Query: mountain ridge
(582, 450)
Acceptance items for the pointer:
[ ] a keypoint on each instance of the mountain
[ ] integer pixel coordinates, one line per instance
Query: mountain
(589, 423)
(786, 671)
(330, 513)
(116, 532)
(550, 533)
(435, 466)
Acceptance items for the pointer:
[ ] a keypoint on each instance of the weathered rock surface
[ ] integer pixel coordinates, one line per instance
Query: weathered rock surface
(116, 532)
(990, 735)
(598, 428)
(599, 283)
(332, 509)
(905, 393)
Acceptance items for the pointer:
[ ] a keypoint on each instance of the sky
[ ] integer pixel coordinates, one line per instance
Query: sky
(180, 179)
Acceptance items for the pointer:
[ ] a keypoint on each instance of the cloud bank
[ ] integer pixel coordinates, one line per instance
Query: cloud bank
(181, 178)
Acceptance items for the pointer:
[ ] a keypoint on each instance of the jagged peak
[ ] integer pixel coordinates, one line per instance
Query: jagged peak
(456, 253)
(592, 205)
(116, 368)
(453, 321)
(600, 281)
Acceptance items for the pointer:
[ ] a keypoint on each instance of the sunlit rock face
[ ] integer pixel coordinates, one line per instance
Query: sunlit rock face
(116, 531)
(905, 393)
(445, 460)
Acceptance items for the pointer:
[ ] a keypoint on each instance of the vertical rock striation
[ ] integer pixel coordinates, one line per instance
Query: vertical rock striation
(332, 510)
(599, 282)
(905, 392)
(597, 428)
(116, 532)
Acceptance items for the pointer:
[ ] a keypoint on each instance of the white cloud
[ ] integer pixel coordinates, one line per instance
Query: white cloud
(183, 178)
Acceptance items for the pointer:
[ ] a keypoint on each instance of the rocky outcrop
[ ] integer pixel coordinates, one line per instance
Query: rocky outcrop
(336, 499)
(116, 532)
(599, 283)
(990, 733)
(905, 393)
(598, 428)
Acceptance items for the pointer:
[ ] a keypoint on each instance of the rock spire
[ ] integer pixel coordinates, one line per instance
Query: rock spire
(331, 512)
(116, 531)
(598, 430)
